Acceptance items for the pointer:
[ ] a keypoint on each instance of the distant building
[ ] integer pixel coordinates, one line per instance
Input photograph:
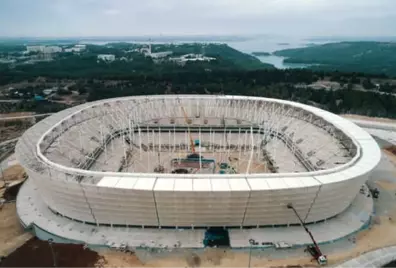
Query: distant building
(80, 46)
(73, 49)
(52, 49)
(155, 55)
(35, 48)
(49, 90)
(44, 49)
(145, 50)
(191, 57)
(77, 48)
(7, 61)
(106, 57)
(159, 55)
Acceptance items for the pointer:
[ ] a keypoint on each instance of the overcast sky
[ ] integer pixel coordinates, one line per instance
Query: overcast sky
(191, 17)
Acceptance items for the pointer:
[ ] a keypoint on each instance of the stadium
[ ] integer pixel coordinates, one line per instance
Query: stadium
(193, 161)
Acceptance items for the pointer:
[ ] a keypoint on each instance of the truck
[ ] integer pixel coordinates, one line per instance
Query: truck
(314, 249)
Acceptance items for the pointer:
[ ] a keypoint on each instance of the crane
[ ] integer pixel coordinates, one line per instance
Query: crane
(313, 250)
(192, 145)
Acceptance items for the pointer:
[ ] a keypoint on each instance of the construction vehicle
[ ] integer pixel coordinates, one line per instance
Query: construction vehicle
(375, 193)
(314, 249)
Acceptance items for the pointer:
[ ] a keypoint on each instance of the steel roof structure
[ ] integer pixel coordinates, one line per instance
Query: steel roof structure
(147, 199)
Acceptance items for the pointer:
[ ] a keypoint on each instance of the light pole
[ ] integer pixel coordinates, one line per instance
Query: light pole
(50, 241)
(250, 253)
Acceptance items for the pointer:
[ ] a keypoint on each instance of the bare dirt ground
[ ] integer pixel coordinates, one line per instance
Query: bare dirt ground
(368, 118)
(386, 185)
(75, 256)
(10, 132)
(391, 153)
(118, 259)
(36, 253)
(16, 114)
(12, 234)
(377, 236)
(13, 173)
(391, 150)
(14, 129)
(209, 258)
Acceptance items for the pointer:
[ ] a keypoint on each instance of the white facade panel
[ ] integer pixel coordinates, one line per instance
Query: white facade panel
(165, 184)
(157, 199)
(258, 184)
(126, 183)
(238, 185)
(108, 181)
(144, 184)
(276, 183)
(202, 185)
(220, 185)
(183, 185)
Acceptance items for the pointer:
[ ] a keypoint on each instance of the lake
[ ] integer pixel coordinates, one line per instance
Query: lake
(247, 45)
(277, 61)
(272, 44)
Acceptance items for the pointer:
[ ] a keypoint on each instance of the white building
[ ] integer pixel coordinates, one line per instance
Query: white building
(155, 55)
(76, 48)
(80, 46)
(50, 90)
(191, 57)
(44, 49)
(52, 49)
(35, 48)
(322, 181)
(106, 57)
(159, 55)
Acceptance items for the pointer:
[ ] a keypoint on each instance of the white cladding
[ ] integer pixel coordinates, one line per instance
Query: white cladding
(195, 200)
(106, 57)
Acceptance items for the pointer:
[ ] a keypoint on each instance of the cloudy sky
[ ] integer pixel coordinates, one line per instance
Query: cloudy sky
(193, 17)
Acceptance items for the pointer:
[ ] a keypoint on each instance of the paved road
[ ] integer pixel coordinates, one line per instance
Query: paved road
(24, 116)
(10, 101)
(9, 161)
(374, 124)
(382, 130)
(376, 258)
(383, 205)
(8, 141)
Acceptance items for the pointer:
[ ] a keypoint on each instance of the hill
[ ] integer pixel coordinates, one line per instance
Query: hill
(366, 57)
(127, 61)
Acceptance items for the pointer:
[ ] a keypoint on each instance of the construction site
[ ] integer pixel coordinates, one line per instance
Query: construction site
(164, 187)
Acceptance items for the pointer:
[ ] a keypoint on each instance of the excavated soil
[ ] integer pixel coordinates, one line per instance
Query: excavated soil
(37, 253)
(391, 153)
(13, 173)
(14, 176)
(12, 234)
(391, 149)
(211, 258)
